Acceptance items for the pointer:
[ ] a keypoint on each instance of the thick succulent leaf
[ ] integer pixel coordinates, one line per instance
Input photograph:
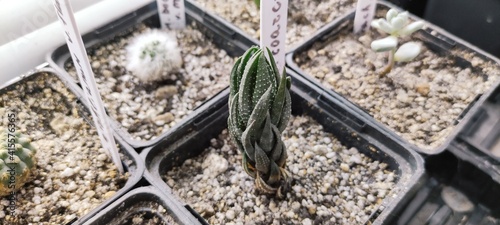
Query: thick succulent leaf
(247, 141)
(282, 160)
(273, 65)
(266, 140)
(263, 79)
(407, 52)
(412, 27)
(391, 14)
(262, 162)
(279, 100)
(278, 147)
(399, 22)
(246, 167)
(274, 174)
(285, 113)
(382, 25)
(234, 131)
(261, 109)
(385, 44)
(246, 88)
(234, 80)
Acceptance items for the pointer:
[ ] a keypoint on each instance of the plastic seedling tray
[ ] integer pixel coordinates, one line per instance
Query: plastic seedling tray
(429, 140)
(479, 140)
(455, 192)
(196, 134)
(143, 205)
(131, 161)
(220, 33)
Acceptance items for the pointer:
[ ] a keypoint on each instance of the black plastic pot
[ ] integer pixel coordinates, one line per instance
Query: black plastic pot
(436, 39)
(478, 142)
(455, 192)
(143, 205)
(477, 21)
(131, 161)
(191, 139)
(219, 32)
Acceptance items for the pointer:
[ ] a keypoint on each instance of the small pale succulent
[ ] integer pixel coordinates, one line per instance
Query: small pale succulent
(17, 160)
(260, 107)
(396, 25)
(152, 55)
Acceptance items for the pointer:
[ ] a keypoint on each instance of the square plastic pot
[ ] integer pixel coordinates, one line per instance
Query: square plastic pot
(194, 136)
(435, 39)
(131, 161)
(455, 192)
(143, 205)
(222, 34)
(478, 142)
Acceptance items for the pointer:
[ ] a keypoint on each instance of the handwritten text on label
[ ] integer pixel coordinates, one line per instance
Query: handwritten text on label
(273, 20)
(365, 11)
(172, 14)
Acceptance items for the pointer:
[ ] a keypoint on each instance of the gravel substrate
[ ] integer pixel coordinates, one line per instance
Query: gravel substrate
(147, 110)
(304, 17)
(73, 174)
(419, 100)
(331, 183)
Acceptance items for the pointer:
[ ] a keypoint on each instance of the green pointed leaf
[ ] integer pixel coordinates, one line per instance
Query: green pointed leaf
(274, 174)
(246, 88)
(261, 109)
(263, 78)
(266, 140)
(262, 162)
(247, 141)
(286, 112)
(273, 65)
(282, 160)
(278, 147)
(234, 80)
(279, 100)
(245, 163)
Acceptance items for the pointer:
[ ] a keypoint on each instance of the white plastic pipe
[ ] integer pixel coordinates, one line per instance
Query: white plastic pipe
(25, 53)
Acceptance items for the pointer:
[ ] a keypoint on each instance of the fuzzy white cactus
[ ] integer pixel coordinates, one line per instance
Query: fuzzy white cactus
(152, 55)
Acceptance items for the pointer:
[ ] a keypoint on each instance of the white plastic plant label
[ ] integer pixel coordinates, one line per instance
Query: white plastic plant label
(86, 76)
(273, 21)
(365, 11)
(172, 14)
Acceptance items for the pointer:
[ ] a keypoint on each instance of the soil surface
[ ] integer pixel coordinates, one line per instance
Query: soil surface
(304, 17)
(73, 174)
(332, 184)
(420, 100)
(147, 110)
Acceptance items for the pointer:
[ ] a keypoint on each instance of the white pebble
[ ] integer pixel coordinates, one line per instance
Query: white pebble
(344, 167)
(230, 214)
(68, 172)
(306, 221)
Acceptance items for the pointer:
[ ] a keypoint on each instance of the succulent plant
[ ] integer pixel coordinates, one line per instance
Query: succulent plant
(396, 25)
(152, 55)
(260, 107)
(17, 160)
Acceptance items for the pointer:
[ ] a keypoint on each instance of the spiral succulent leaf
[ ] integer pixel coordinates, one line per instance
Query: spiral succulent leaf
(260, 107)
(17, 160)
